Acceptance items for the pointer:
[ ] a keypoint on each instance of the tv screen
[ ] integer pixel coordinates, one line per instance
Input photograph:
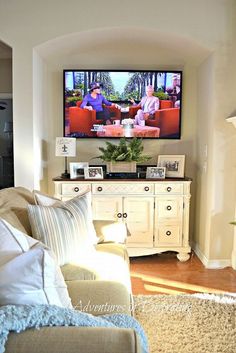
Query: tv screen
(114, 104)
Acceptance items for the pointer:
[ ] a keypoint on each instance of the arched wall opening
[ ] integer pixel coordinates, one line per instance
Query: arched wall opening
(111, 48)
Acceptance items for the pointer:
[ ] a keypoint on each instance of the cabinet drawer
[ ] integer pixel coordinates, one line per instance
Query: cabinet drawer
(119, 188)
(169, 208)
(168, 188)
(168, 235)
(74, 189)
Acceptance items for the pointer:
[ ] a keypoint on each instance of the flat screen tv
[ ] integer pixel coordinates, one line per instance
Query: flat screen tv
(119, 103)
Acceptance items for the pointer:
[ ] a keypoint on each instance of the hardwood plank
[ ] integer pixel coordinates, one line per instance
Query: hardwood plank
(165, 274)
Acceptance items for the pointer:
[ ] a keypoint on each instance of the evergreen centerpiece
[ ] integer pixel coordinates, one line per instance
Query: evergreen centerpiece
(123, 157)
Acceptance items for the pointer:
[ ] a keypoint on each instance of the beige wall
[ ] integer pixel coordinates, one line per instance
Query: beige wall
(195, 36)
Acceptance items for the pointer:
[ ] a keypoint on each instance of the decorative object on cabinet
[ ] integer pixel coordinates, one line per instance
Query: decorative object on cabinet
(77, 169)
(156, 172)
(156, 212)
(65, 147)
(125, 151)
(174, 165)
(93, 173)
(121, 167)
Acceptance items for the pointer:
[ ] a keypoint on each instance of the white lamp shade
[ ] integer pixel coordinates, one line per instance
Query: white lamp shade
(65, 146)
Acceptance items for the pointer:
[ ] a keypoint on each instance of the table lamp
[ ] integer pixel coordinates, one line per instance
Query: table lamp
(65, 147)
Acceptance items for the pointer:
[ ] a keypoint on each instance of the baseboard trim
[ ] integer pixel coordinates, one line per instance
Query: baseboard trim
(211, 264)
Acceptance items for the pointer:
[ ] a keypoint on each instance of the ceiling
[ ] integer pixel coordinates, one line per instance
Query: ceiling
(5, 51)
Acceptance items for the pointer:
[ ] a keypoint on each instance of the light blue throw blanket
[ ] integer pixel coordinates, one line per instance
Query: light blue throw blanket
(17, 318)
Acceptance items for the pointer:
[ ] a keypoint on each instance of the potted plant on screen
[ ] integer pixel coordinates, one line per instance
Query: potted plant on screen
(123, 158)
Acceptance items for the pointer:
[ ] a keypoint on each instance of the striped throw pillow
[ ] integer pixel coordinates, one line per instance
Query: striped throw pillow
(66, 228)
(80, 207)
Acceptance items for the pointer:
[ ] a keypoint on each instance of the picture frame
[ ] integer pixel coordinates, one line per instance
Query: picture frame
(77, 169)
(93, 173)
(174, 165)
(155, 173)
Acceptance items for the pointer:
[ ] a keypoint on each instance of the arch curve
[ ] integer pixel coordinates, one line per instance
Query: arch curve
(120, 44)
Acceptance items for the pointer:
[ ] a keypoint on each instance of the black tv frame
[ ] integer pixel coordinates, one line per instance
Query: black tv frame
(180, 72)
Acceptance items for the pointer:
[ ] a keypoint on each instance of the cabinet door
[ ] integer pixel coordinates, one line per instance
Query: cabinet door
(107, 208)
(138, 215)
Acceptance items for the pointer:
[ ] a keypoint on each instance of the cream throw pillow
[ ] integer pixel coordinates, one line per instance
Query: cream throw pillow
(28, 271)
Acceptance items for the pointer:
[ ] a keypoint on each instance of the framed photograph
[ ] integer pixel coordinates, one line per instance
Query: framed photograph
(93, 173)
(155, 172)
(77, 169)
(174, 165)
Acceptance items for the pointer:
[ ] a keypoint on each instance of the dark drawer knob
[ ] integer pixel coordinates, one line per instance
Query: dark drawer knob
(125, 215)
(119, 215)
(99, 188)
(169, 208)
(76, 189)
(169, 189)
(146, 188)
(168, 233)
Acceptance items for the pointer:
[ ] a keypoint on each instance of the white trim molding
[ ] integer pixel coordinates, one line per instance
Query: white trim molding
(211, 264)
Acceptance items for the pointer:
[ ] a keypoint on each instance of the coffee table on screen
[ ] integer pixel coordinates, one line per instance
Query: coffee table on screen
(137, 131)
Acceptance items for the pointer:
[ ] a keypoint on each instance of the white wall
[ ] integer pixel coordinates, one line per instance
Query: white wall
(196, 36)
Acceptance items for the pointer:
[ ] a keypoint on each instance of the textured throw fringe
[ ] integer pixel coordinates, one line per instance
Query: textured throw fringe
(17, 318)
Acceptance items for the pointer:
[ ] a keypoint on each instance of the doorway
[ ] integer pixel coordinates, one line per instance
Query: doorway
(6, 118)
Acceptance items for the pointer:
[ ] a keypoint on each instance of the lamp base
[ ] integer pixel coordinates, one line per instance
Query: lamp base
(65, 175)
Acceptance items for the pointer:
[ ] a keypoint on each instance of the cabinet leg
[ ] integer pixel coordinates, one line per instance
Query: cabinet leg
(183, 256)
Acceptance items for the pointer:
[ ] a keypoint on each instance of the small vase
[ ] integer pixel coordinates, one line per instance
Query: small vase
(128, 130)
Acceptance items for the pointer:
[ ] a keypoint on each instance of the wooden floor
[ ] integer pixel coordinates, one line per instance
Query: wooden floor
(164, 274)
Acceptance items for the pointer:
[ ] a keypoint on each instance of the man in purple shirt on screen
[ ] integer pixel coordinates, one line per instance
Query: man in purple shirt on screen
(95, 100)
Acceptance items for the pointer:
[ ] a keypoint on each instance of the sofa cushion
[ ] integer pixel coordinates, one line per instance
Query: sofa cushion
(13, 207)
(105, 266)
(72, 272)
(100, 297)
(28, 271)
(115, 249)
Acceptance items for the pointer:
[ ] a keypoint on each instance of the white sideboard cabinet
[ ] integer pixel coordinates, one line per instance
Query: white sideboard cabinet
(156, 212)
